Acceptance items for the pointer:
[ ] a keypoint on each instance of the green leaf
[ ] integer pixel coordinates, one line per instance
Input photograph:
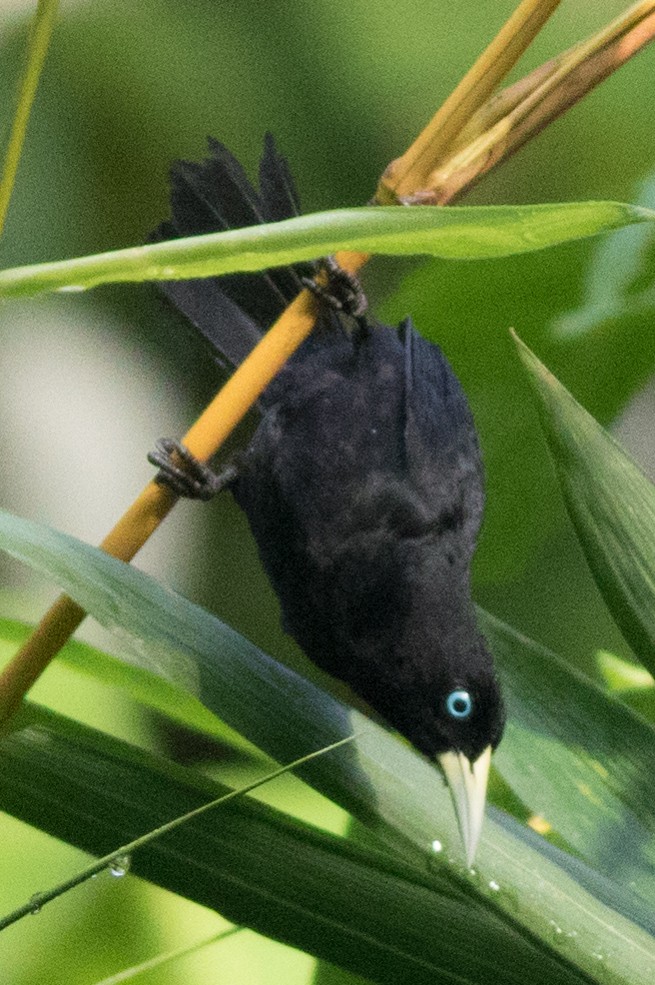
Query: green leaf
(620, 281)
(611, 504)
(151, 690)
(462, 233)
(621, 675)
(579, 758)
(259, 868)
(540, 892)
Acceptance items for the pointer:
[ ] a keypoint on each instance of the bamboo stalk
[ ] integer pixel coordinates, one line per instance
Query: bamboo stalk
(411, 171)
(154, 503)
(549, 94)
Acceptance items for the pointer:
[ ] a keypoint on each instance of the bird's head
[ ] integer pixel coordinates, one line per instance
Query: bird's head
(436, 685)
(467, 725)
(404, 635)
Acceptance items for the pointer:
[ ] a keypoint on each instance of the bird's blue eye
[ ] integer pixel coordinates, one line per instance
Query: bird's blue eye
(459, 704)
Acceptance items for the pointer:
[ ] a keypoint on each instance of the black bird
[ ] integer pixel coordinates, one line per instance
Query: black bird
(362, 485)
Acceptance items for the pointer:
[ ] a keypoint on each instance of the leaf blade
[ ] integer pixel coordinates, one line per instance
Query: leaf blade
(381, 780)
(258, 868)
(611, 504)
(452, 232)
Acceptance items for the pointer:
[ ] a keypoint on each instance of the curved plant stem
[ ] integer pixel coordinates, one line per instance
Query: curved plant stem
(38, 44)
(38, 901)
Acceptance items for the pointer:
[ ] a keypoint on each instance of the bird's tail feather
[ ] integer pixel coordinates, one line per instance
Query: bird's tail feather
(231, 312)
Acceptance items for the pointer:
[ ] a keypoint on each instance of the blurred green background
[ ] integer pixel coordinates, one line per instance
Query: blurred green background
(89, 382)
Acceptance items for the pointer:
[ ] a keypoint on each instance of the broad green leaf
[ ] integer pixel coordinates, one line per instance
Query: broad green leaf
(579, 758)
(329, 974)
(611, 504)
(379, 778)
(584, 778)
(461, 233)
(150, 690)
(259, 868)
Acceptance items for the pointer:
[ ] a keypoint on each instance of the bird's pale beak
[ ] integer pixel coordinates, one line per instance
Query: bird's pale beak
(468, 786)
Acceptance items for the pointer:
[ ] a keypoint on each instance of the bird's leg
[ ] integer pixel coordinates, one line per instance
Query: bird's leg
(343, 291)
(185, 474)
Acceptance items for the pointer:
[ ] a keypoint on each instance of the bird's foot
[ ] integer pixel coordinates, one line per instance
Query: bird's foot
(343, 291)
(185, 474)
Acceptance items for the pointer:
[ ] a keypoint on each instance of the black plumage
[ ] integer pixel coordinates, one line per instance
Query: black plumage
(363, 484)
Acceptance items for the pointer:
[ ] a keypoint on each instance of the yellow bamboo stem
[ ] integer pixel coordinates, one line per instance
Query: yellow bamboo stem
(154, 503)
(410, 172)
(569, 77)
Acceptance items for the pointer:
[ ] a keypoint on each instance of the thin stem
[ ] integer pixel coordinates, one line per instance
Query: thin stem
(38, 901)
(38, 44)
(24, 669)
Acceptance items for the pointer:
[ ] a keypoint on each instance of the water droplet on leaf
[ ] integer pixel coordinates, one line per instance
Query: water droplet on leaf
(36, 902)
(120, 866)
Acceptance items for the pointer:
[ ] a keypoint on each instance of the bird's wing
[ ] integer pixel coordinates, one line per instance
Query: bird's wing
(441, 447)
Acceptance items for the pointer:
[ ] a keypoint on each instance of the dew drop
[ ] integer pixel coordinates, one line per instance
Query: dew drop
(36, 903)
(120, 866)
(437, 846)
(597, 955)
(556, 929)
(571, 934)
(493, 885)
(71, 289)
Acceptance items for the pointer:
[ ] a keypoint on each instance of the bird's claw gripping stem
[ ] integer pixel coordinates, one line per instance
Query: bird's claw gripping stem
(343, 291)
(185, 474)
